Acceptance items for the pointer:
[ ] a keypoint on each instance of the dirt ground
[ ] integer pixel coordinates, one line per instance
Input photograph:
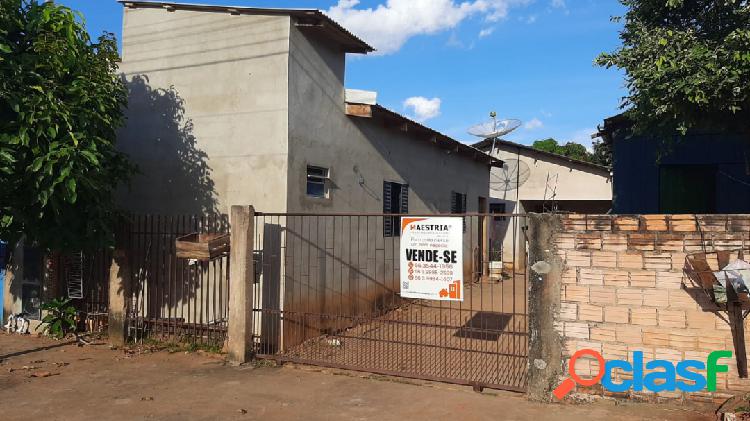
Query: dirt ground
(97, 383)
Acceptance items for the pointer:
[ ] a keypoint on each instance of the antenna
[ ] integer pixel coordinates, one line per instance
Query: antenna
(550, 194)
(494, 128)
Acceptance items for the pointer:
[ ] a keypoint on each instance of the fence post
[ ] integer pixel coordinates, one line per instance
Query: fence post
(241, 272)
(119, 285)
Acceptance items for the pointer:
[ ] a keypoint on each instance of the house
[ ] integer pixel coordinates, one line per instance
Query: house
(242, 105)
(532, 180)
(702, 172)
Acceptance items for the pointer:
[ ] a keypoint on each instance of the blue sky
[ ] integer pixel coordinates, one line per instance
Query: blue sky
(449, 63)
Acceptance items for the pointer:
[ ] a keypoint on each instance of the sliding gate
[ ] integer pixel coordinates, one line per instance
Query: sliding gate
(326, 293)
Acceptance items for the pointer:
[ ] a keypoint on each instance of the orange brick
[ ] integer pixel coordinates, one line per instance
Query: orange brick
(643, 316)
(723, 241)
(618, 278)
(614, 351)
(642, 279)
(668, 354)
(565, 241)
(669, 243)
(698, 319)
(606, 259)
(656, 297)
(603, 334)
(630, 335)
(578, 258)
(642, 242)
(683, 340)
(710, 341)
(602, 295)
(587, 276)
(669, 280)
(655, 337)
(681, 299)
(672, 318)
(613, 314)
(630, 260)
(630, 296)
(655, 222)
(574, 222)
(614, 242)
(576, 293)
(569, 276)
(569, 311)
(599, 222)
(577, 330)
(713, 223)
(682, 223)
(589, 241)
(626, 223)
(657, 261)
(590, 313)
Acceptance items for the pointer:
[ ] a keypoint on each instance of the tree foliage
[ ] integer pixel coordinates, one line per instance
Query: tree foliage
(687, 65)
(577, 151)
(61, 102)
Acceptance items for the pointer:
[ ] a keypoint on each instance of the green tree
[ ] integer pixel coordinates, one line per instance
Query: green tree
(573, 150)
(687, 65)
(61, 102)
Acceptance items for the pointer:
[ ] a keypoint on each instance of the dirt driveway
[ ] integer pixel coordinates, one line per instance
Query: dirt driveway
(97, 383)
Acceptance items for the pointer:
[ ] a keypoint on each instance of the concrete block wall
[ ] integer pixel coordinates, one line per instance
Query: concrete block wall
(623, 290)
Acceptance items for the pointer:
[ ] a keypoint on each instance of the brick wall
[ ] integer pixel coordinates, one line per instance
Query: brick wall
(623, 290)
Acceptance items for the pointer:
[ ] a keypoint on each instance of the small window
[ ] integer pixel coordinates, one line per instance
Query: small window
(395, 201)
(458, 205)
(498, 208)
(317, 182)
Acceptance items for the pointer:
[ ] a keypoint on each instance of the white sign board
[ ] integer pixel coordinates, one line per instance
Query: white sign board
(432, 258)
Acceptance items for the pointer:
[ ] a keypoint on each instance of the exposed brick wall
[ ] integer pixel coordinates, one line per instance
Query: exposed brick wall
(623, 289)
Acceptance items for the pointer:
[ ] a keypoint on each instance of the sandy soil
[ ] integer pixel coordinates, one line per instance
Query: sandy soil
(97, 383)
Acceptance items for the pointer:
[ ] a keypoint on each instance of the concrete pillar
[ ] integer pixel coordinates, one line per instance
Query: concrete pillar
(545, 287)
(241, 272)
(119, 289)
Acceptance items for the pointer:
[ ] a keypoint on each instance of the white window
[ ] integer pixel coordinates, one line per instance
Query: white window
(317, 181)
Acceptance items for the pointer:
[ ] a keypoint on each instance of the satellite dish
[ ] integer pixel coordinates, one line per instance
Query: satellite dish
(494, 128)
(511, 176)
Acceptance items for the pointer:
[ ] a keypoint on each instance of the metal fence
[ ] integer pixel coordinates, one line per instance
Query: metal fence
(170, 298)
(327, 293)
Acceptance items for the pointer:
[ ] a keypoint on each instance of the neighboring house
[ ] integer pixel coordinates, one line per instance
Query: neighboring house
(239, 105)
(700, 173)
(537, 181)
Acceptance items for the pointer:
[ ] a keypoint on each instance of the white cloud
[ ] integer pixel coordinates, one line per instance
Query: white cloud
(388, 26)
(486, 32)
(528, 19)
(534, 123)
(423, 108)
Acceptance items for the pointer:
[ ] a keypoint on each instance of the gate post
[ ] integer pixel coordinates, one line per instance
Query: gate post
(119, 287)
(241, 274)
(545, 366)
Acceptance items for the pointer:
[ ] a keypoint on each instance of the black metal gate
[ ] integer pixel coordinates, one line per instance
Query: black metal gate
(327, 293)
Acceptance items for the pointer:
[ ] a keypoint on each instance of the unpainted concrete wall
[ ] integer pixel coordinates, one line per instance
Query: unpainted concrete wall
(208, 112)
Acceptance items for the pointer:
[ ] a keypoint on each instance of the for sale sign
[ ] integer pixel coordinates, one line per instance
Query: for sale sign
(432, 258)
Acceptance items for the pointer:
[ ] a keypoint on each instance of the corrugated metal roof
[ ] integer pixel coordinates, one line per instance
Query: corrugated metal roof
(441, 140)
(351, 42)
(487, 143)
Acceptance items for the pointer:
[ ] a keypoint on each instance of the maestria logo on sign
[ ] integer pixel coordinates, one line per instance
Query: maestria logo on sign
(655, 375)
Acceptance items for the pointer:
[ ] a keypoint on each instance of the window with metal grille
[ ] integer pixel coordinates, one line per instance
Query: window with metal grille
(395, 201)
(458, 205)
(498, 208)
(317, 181)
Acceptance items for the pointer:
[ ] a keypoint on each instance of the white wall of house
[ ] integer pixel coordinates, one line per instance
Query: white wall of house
(577, 186)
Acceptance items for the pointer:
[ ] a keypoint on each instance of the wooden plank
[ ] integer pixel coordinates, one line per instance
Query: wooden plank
(359, 110)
